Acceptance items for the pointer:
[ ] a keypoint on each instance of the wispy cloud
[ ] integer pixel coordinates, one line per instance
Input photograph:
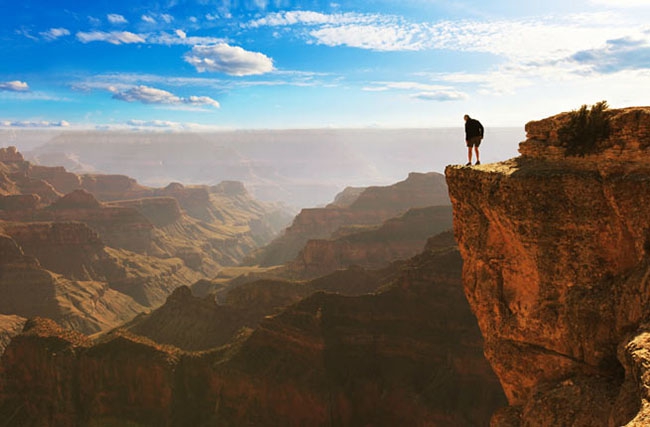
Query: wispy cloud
(440, 95)
(14, 86)
(384, 86)
(113, 37)
(312, 18)
(33, 124)
(551, 36)
(158, 126)
(55, 33)
(422, 91)
(114, 18)
(148, 19)
(179, 37)
(151, 95)
(232, 60)
(125, 81)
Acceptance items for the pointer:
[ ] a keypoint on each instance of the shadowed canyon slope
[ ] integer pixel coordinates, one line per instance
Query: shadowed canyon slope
(556, 264)
(92, 251)
(408, 355)
(354, 207)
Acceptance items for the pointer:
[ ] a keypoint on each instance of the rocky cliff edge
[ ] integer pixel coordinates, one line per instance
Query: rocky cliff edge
(556, 267)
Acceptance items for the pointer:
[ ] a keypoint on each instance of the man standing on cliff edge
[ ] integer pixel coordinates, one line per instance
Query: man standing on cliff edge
(473, 137)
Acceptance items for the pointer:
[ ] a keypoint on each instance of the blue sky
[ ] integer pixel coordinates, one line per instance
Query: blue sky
(229, 64)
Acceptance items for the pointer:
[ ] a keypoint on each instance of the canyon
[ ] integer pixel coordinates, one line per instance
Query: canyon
(368, 311)
(410, 353)
(94, 251)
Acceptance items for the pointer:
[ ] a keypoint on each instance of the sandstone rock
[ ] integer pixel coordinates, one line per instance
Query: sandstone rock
(10, 155)
(10, 326)
(555, 252)
(78, 199)
(410, 355)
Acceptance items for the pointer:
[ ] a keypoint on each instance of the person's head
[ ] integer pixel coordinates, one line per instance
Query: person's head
(466, 117)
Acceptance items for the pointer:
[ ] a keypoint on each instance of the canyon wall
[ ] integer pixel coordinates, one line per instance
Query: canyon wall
(354, 207)
(556, 265)
(372, 246)
(408, 355)
(74, 250)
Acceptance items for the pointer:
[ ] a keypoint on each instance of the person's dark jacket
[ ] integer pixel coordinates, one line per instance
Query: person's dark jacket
(473, 128)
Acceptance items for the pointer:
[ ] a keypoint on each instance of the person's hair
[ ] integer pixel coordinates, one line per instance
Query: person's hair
(466, 116)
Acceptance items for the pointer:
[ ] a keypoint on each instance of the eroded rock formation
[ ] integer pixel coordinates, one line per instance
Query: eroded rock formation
(372, 246)
(556, 266)
(371, 206)
(89, 264)
(408, 355)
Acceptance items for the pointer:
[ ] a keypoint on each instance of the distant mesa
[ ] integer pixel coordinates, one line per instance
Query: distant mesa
(174, 186)
(10, 155)
(230, 188)
(78, 199)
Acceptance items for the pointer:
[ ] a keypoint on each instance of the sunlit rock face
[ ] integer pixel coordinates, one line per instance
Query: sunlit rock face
(555, 251)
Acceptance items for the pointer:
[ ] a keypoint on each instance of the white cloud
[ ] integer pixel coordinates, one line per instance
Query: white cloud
(167, 18)
(312, 18)
(180, 38)
(520, 39)
(232, 60)
(154, 123)
(162, 125)
(113, 37)
(114, 18)
(55, 33)
(33, 124)
(384, 86)
(425, 91)
(441, 95)
(14, 86)
(151, 95)
(148, 19)
(381, 38)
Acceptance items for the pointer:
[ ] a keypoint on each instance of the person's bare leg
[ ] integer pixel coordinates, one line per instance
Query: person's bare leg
(469, 155)
(478, 160)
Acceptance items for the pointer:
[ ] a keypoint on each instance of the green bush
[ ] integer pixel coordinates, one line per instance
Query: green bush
(586, 128)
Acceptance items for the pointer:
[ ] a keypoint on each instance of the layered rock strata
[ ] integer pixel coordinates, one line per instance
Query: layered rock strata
(374, 246)
(556, 265)
(410, 355)
(371, 206)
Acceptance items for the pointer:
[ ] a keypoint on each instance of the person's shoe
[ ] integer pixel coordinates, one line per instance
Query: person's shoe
(477, 163)
(468, 164)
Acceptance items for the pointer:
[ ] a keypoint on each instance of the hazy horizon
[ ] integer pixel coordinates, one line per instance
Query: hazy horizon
(299, 167)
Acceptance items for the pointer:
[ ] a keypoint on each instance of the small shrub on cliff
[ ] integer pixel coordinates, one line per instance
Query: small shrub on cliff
(586, 128)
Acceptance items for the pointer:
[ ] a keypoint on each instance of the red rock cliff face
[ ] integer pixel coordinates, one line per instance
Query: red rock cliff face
(556, 270)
